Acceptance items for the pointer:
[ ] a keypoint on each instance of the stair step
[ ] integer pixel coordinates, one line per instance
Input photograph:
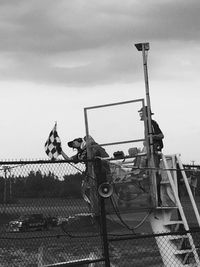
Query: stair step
(183, 251)
(175, 237)
(165, 182)
(190, 265)
(166, 207)
(173, 222)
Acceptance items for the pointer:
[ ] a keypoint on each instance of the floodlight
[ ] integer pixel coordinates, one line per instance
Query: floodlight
(140, 45)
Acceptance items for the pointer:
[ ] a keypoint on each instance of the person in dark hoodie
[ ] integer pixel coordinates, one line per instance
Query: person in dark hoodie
(157, 137)
(80, 145)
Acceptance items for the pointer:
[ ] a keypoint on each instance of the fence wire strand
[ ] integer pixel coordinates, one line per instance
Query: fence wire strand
(44, 219)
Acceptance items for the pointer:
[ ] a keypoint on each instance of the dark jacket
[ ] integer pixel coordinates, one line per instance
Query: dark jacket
(96, 150)
(157, 143)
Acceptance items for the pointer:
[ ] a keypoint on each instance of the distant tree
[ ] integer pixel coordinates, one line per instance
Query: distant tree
(18, 186)
(72, 185)
(197, 176)
(39, 185)
(33, 184)
(1, 189)
(50, 185)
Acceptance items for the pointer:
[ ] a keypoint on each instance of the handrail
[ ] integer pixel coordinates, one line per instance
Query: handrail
(185, 223)
(189, 190)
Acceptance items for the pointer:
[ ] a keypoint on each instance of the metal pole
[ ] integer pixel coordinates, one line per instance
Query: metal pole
(144, 47)
(101, 178)
(92, 182)
(10, 188)
(144, 55)
(5, 184)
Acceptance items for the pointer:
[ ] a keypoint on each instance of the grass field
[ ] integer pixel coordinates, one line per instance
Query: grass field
(55, 245)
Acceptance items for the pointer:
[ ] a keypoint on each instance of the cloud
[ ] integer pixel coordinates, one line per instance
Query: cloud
(84, 42)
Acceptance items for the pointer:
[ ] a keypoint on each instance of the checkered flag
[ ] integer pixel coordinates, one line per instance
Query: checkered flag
(53, 144)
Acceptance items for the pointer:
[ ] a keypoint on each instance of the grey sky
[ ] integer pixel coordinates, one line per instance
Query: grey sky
(57, 57)
(87, 42)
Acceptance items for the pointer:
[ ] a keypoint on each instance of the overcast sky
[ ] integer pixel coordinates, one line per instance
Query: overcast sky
(57, 57)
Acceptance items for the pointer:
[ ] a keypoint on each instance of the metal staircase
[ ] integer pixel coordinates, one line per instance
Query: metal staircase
(175, 249)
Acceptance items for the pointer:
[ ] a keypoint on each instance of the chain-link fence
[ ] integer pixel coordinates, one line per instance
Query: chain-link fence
(142, 250)
(46, 219)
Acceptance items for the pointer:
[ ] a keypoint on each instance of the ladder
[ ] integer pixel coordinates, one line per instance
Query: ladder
(171, 247)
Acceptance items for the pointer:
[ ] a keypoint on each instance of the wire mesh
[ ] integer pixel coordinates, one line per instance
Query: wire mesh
(143, 250)
(45, 220)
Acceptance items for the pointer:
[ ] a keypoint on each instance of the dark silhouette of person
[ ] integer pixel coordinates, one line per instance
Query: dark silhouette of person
(157, 137)
(80, 145)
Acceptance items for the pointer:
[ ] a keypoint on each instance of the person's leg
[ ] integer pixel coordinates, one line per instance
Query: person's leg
(158, 180)
(158, 177)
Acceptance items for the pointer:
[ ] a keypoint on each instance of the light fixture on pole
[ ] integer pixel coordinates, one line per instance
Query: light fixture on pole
(144, 47)
(140, 46)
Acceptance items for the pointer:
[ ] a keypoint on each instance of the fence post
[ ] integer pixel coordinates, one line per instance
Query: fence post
(100, 174)
(40, 256)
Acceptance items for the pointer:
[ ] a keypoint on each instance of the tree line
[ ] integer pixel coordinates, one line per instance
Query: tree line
(39, 185)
